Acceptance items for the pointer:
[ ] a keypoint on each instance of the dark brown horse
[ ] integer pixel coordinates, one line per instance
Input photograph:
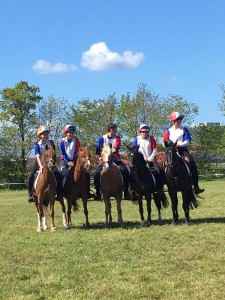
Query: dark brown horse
(144, 184)
(45, 190)
(111, 184)
(178, 179)
(77, 187)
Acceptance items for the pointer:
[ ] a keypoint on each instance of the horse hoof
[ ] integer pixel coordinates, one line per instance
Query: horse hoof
(39, 229)
(174, 223)
(143, 224)
(53, 228)
(66, 227)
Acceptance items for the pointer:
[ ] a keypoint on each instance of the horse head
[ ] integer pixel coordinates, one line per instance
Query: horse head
(49, 157)
(172, 157)
(83, 158)
(106, 155)
(135, 158)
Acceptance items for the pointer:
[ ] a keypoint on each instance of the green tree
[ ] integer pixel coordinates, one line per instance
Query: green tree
(147, 107)
(18, 123)
(221, 105)
(92, 117)
(54, 114)
(206, 147)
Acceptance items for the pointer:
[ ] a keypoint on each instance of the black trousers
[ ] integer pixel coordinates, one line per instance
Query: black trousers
(194, 170)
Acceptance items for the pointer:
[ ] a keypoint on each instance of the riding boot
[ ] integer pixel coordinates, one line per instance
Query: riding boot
(30, 189)
(97, 183)
(194, 171)
(59, 189)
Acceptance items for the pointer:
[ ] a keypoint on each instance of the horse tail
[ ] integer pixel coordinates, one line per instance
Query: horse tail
(75, 206)
(162, 198)
(193, 201)
(164, 201)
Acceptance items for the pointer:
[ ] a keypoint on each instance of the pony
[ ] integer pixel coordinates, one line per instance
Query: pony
(111, 184)
(77, 186)
(178, 178)
(144, 184)
(45, 189)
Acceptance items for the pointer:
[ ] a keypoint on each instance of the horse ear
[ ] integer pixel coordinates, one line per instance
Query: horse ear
(53, 147)
(167, 143)
(46, 147)
(110, 145)
(101, 146)
(175, 144)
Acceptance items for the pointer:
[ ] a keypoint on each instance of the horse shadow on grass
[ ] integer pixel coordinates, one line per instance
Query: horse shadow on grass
(130, 225)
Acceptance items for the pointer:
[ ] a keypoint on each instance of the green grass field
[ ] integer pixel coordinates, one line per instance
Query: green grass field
(157, 262)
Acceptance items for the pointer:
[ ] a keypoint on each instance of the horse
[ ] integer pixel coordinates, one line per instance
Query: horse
(178, 178)
(144, 184)
(111, 184)
(77, 186)
(45, 189)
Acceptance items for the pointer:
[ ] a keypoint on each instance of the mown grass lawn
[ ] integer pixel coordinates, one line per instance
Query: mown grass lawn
(157, 262)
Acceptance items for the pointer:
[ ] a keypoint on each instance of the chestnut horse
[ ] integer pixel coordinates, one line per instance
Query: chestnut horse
(76, 187)
(45, 190)
(111, 184)
(178, 178)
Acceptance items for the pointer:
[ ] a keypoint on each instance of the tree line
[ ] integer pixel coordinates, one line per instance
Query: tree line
(23, 109)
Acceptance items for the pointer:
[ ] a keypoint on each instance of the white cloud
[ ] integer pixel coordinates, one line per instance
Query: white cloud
(100, 58)
(172, 78)
(44, 67)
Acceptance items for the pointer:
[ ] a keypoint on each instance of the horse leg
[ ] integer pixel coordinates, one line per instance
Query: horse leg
(186, 204)
(108, 214)
(141, 211)
(69, 210)
(40, 215)
(174, 202)
(119, 210)
(159, 206)
(44, 218)
(86, 212)
(149, 210)
(52, 214)
(63, 209)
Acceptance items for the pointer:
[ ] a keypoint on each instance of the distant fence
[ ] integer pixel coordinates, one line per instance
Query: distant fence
(19, 185)
(13, 185)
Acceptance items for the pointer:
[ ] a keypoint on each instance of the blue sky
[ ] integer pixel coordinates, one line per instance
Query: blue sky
(92, 48)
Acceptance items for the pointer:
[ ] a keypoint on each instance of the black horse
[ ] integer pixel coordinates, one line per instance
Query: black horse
(144, 184)
(178, 179)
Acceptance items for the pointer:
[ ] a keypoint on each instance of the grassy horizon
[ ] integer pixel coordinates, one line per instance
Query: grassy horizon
(156, 262)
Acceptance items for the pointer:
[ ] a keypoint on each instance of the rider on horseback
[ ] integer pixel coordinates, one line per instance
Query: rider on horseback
(39, 149)
(111, 138)
(180, 134)
(69, 147)
(148, 147)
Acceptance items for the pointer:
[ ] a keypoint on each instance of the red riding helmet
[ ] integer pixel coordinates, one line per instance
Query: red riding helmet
(143, 127)
(176, 116)
(69, 128)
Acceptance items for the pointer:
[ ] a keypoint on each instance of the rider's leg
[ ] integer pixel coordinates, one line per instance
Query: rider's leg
(59, 188)
(31, 182)
(97, 182)
(194, 172)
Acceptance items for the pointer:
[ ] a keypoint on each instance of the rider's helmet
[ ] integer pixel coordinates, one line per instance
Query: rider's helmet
(143, 128)
(69, 128)
(42, 129)
(176, 116)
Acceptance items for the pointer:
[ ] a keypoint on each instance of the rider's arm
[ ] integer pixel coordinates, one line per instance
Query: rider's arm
(99, 145)
(63, 152)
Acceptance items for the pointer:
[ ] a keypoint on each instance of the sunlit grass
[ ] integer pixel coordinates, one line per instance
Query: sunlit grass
(157, 262)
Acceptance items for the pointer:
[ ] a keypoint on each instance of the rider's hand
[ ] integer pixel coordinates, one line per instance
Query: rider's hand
(70, 163)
